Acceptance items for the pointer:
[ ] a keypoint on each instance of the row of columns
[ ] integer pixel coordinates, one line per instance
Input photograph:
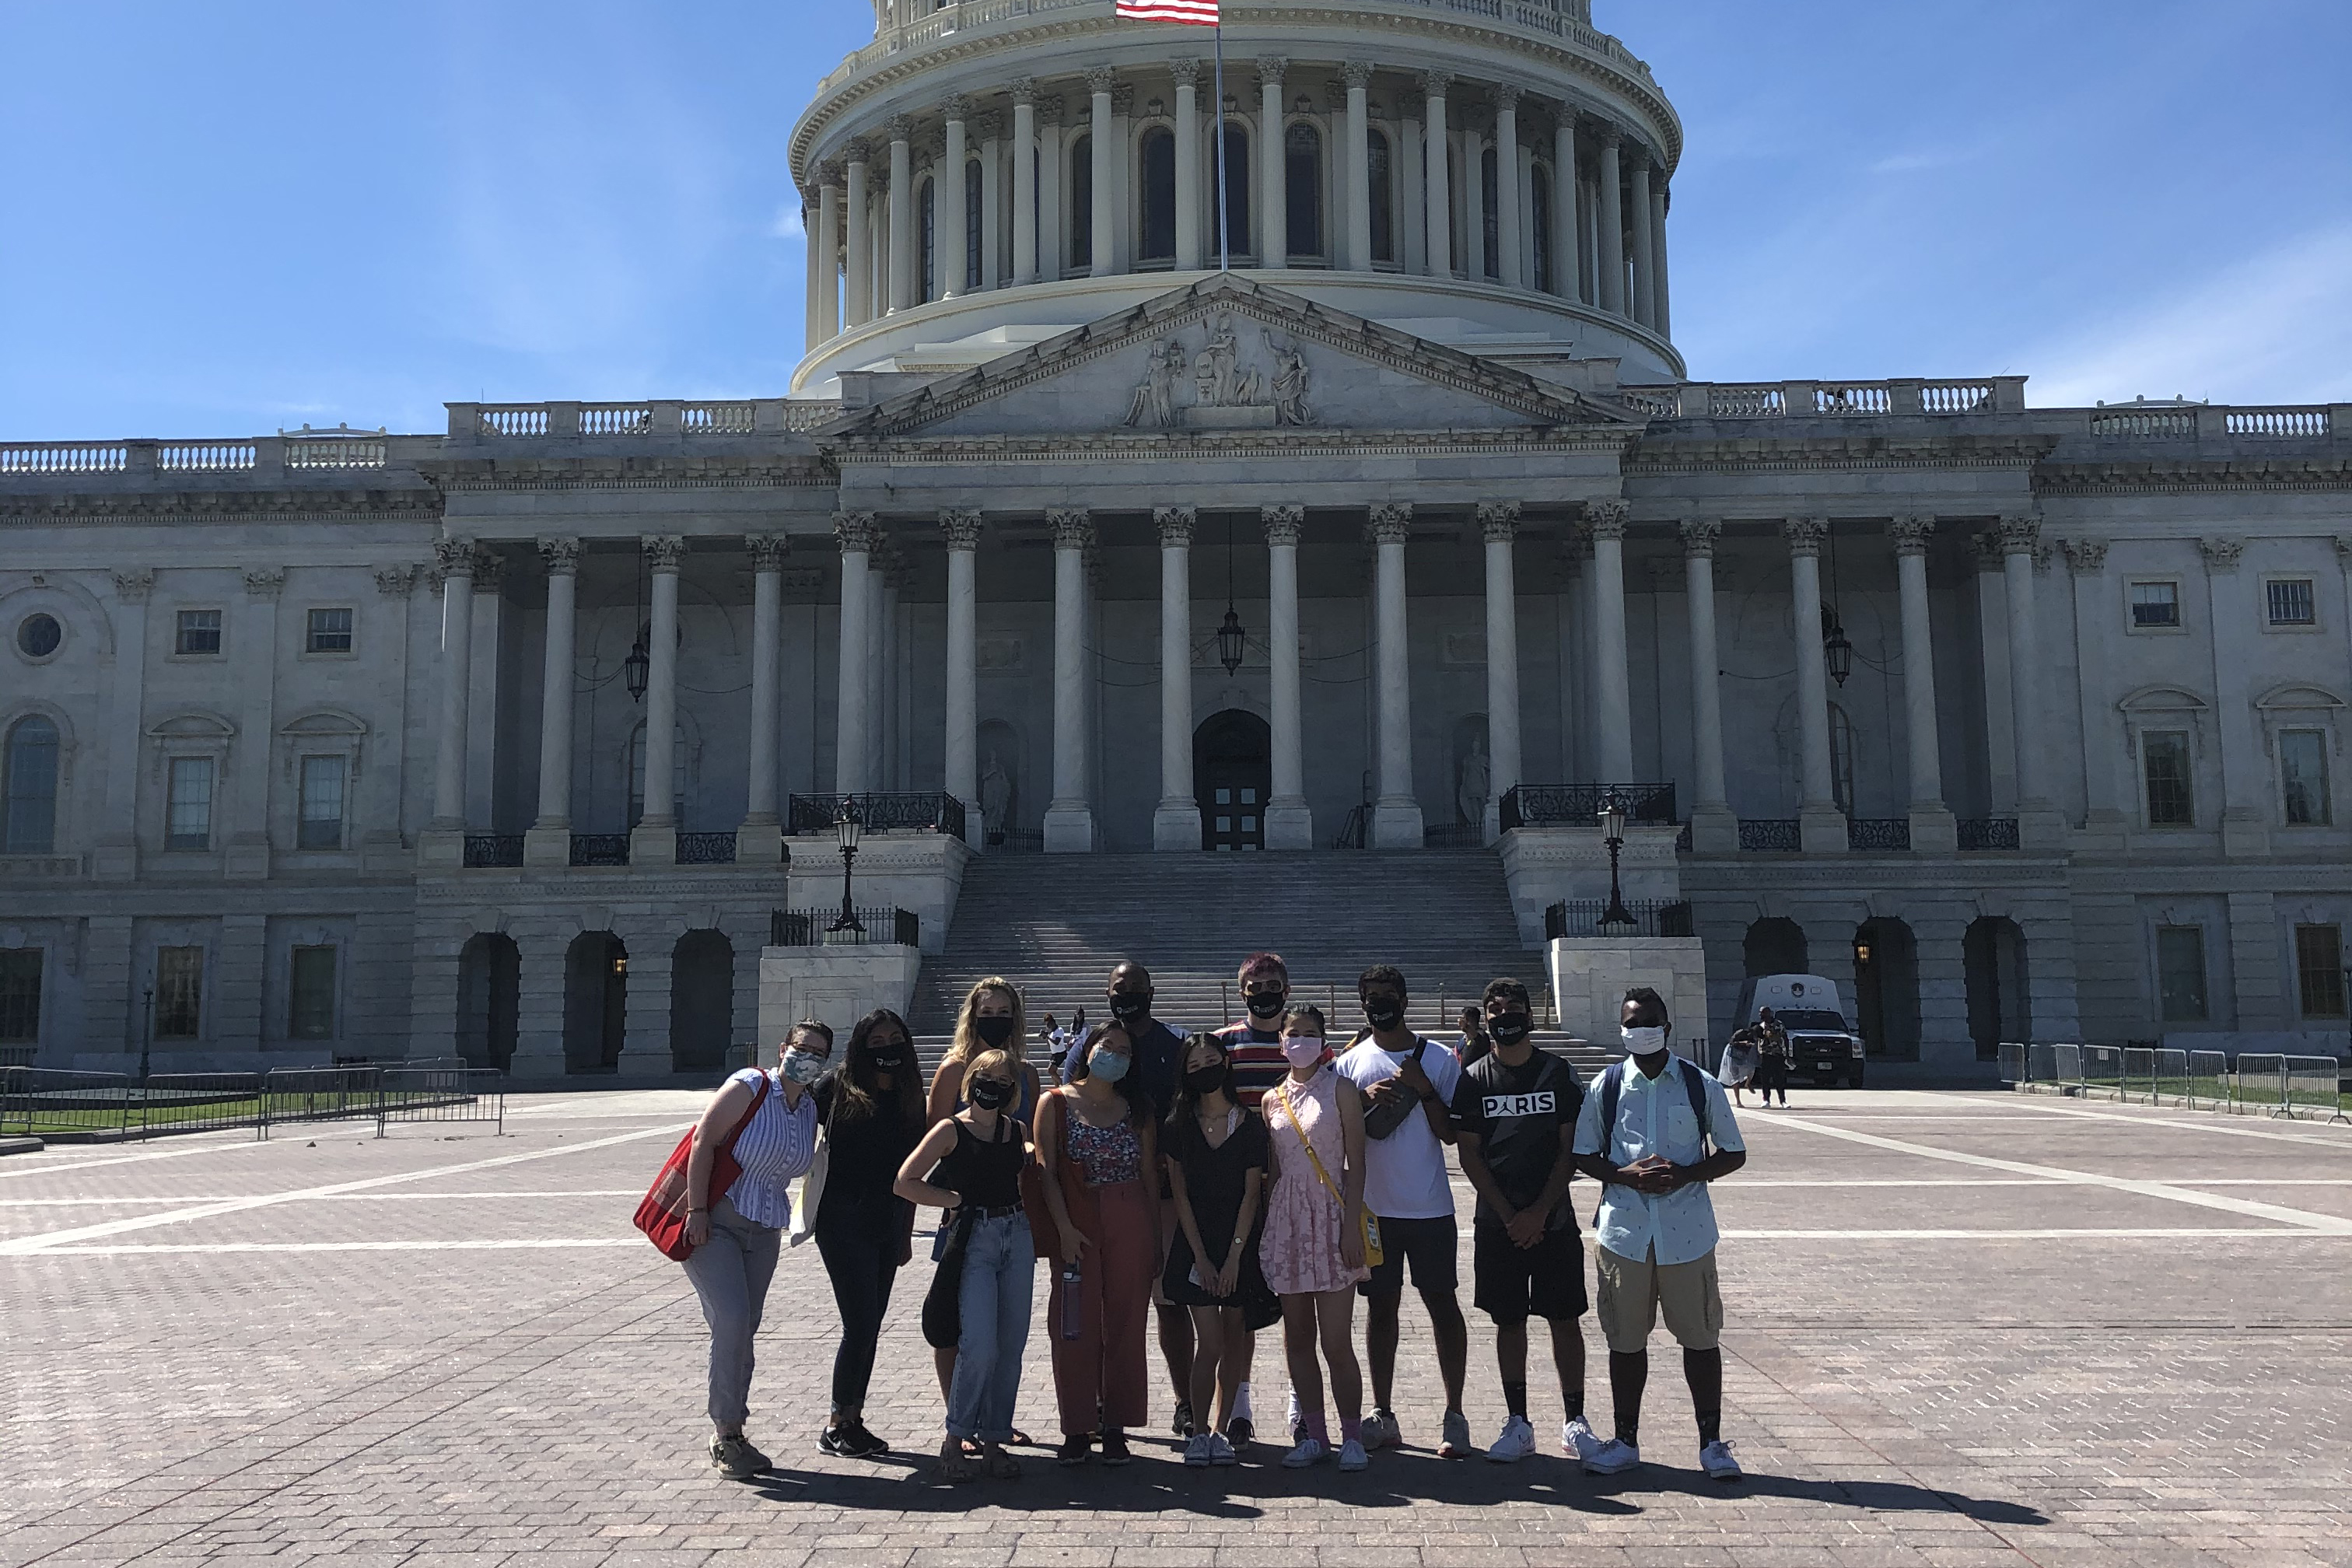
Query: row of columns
(844, 221)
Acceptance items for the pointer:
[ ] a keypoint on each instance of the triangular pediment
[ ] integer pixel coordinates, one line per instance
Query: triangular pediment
(1225, 357)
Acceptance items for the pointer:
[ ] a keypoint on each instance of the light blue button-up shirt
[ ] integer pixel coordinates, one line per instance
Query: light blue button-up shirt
(1653, 1117)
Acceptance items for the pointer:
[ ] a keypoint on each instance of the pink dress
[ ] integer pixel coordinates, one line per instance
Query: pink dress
(1299, 1250)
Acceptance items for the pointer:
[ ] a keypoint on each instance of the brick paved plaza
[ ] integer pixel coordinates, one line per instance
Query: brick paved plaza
(1964, 1328)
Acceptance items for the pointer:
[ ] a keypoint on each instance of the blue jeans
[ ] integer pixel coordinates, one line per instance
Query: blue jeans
(998, 1267)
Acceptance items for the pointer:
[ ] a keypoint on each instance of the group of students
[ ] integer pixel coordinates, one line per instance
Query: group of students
(1223, 1183)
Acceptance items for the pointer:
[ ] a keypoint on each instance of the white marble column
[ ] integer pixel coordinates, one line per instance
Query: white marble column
(859, 265)
(960, 527)
(1273, 165)
(855, 531)
(882, 584)
(653, 840)
(1358, 75)
(987, 129)
(1437, 205)
(1396, 812)
(827, 243)
(759, 840)
(1473, 197)
(1661, 317)
(1933, 830)
(947, 194)
(456, 563)
(1289, 823)
(1176, 821)
(1024, 182)
(905, 275)
(1498, 523)
(1645, 277)
(1052, 155)
(1821, 824)
(1565, 240)
(2038, 824)
(1070, 817)
(814, 328)
(1613, 226)
(1191, 204)
(1713, 829)
(1509, 229)
(1103, 196)
(1412, 232)
(549, 842)
(116, 847)
(1613, 686)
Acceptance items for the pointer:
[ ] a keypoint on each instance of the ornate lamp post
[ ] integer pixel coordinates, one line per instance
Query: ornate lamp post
(847, 825)
(1613, 833)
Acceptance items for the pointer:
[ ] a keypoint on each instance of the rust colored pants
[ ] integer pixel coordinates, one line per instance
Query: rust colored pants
(1104, 1368)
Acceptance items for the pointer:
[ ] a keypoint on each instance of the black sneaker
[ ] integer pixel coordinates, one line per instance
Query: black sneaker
(863, 1444)
(1114, 1449)
(1182, 1425)
(1239, 1431)
(840, 1441)
(1075, 1450)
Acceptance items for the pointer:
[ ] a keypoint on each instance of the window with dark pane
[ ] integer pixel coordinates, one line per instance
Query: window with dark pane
(2164, 758)
(1081, 203)
(2319, 969)
(1539, 215)
(1159, 158)
(2180, 972)
(20, 995)
(311, 984)
(29, 807)
(2302, 778)
(199, 632)
(1383, 199)
(973, 215)
(188, 805)
(321, 826)
(1490, 212)
(179, 993)
(1302, 151)
(2292, 601)
(1237, 189)
(328, 631)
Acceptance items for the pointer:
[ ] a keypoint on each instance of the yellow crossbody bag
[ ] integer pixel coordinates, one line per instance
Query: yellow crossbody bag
(1373, 1256)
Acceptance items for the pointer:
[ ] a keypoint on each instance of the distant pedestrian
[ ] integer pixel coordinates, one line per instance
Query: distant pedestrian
(1214, 1150)
(1773, 1052)
(1740, 1058)
(1646, 1134)
(1312, 1250)
(1473, 1042)
(736, 1235)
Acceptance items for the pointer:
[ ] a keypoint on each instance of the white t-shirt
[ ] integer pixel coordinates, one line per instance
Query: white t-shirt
(1404, 1173)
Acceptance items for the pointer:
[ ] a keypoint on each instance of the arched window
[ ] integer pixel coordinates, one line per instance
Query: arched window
(637, 773)
(1302, 153)
(1237, 191)
(1539, 215)
(1159, 187)
(1383, 202)
(1490, 214)
(30, 804)
(972, 273)
(927, 193)
(1082, 204)
(1842, 759)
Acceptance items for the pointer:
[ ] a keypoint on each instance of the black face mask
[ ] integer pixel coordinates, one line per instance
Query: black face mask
(1127, 1009)
(1266, 1003)
(889, 1057)
(989, 1093)
(1207, 1079)
(1384, 1014)
(1510, 1028)
(993, 1032)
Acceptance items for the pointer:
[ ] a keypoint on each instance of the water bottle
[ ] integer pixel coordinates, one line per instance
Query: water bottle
(1073, 1311)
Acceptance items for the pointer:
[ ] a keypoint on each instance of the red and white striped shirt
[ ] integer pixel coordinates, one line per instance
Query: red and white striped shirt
(1200, 13)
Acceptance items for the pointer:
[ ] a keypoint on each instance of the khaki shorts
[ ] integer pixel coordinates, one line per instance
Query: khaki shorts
(1634, 1291)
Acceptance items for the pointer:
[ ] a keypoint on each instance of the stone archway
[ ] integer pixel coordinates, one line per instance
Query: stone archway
(1232, 775)
(489, 999)
(595, 1002)
(2000, 1001)
(1775, 946)
(1886, 988)
(701, 1001)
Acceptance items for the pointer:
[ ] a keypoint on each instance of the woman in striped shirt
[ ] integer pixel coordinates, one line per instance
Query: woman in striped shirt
(737, 1233)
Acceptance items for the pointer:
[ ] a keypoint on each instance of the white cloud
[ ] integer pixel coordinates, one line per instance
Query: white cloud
(2275, 327)
(788, 224)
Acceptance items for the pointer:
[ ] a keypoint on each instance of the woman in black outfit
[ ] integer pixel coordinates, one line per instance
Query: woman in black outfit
(872, 1110)
(1215, 1152)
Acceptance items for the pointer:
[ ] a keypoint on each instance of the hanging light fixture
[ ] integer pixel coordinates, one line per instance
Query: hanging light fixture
(638, 669)
(1835, 646)
(1231, 638)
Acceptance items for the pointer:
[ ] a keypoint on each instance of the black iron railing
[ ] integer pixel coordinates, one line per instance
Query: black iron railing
(938, 812)
(1455, 836)
(1770, 834)
(816, 928)
(599, 849)
(1577, 805)
(1019, 841)
(1878, 833)
(1354, 830)
(1651, 917)
(705, 850)
(1682, 840)
(67, 1105)
(493, 849)
(1988, 832)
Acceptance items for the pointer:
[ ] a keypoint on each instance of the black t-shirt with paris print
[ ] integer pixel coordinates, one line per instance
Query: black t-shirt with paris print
(1519, 1114)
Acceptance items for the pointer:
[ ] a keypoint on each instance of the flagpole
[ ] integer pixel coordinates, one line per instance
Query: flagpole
(1225, 239)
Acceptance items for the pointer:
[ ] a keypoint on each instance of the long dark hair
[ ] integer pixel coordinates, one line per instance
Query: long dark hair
(1138, 1104)
(1182, 1133)
(860, 1080)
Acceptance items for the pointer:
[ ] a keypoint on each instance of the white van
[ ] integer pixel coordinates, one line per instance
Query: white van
(1822, 1044)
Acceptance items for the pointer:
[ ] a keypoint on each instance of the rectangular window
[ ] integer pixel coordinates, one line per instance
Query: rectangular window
(311, 1002)
(2155, 605)
(188, 808)
(179, 992)
(329, 631)
(2180, 972)
(200, 632)
(2319, 969)
(20, 995)
(2164, 755)
(2303, 775)
(321, 824)
(2292, 601)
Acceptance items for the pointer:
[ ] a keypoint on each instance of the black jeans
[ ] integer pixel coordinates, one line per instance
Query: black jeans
(861, 1258)
(1772, 1073)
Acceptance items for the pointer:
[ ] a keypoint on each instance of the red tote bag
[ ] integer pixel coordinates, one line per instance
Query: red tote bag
(661, 1213)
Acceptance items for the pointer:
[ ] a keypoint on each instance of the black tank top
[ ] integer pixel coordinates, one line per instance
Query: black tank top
(986, 1176)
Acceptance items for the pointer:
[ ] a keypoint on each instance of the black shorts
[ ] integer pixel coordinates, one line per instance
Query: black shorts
(1429, 1243)
(1515, 1283)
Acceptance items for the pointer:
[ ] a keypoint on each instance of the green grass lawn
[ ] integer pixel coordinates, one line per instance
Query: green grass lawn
(171, 1113)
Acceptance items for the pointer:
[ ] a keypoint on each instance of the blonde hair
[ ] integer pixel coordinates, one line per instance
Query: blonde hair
(967, 1042)
(987, 1061)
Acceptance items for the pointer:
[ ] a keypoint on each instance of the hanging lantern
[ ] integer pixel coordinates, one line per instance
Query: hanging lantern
(637, 669)
(1835, 648)
(1230, 641)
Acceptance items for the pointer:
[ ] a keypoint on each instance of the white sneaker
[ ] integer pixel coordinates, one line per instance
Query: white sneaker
(1518, 1441)
(1352, 1456)
(1197, 1452)
(1308, 1452)
(1717, 1461)
(1380, 1431)
(1613, 1459)
(1221, 1451)
(1577, 1440)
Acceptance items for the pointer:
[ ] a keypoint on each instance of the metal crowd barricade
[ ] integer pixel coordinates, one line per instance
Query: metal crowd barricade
(2312, 1083)
(2209, 1079)
(2103, 1068)
(2014, 1068)
(44, 1102)
(2168, 1076)
(2139, 1073)
(198, 1101)
(2040, 1062)
(2260, 1082)
(2066, 1066)
(440, 1095)
(294, 1095)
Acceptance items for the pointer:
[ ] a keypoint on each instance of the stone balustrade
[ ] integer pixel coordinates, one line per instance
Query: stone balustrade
(653, 416)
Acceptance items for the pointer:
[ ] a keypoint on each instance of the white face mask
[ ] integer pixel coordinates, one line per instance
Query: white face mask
(1646, 1042)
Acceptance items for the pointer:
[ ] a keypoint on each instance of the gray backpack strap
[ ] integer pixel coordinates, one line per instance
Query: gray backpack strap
(1694, 1085)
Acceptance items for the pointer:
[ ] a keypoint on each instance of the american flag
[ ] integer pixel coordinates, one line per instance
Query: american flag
(1200, 13)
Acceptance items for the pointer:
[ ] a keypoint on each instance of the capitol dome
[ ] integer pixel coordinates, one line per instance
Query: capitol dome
(1488, 174)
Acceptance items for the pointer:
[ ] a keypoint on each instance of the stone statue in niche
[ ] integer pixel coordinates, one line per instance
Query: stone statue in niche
(1290, 405)
(1473, 782)
(1155, 396)
(1219, 377)
(1227, 392)
(996, 798)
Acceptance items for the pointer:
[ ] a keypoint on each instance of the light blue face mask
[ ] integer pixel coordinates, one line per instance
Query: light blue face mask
(1107, 1066)
(804, 1068)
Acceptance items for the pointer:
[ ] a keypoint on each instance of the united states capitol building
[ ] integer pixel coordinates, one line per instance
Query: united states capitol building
(1410, 533)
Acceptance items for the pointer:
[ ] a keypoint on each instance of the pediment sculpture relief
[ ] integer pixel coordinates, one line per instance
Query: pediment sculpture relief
(1228, 390)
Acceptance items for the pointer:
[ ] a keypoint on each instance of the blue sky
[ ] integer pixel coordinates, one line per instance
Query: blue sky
(224, 218)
